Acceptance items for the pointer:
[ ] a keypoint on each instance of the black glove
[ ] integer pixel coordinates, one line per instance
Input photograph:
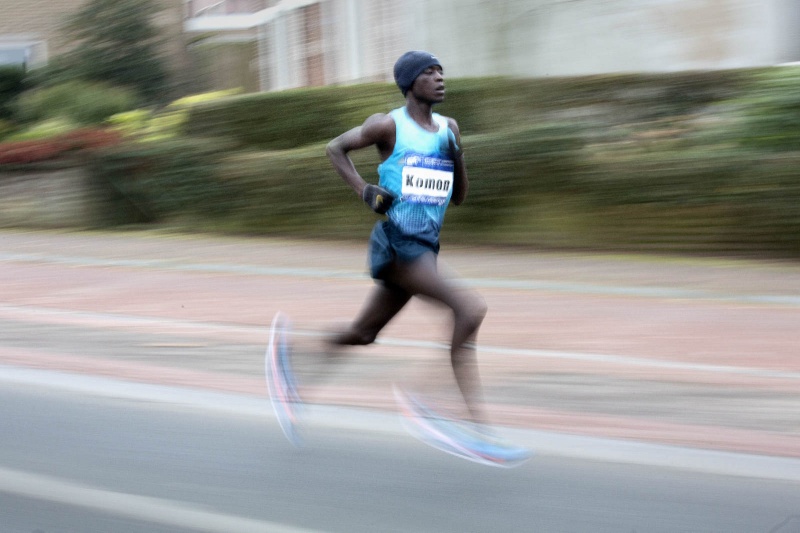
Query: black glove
(377, 198)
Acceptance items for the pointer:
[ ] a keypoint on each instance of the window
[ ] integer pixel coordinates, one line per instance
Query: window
(22, 52)
(14, 56)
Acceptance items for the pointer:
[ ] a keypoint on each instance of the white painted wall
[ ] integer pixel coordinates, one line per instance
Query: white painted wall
(573, 37)
(532, 38)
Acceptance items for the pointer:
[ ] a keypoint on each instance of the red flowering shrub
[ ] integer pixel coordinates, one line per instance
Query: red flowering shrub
(21, 152)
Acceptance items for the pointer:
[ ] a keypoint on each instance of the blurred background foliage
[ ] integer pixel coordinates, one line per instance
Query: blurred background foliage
(80, 102)
(116, 42)
(145, 182)
(702, 162)
(771, 109)
(12, 84)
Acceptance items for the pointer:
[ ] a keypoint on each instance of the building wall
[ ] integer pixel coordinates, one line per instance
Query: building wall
(536, 38)
(216, 7)
(345, 41)
(40, 21)
(36, 21)
(39, 18)
(788, 27)
(175, 46)
(556, 38)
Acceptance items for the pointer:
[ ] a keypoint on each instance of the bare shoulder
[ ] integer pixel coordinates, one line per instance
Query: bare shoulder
(378, 130)
(451, 122)
(378, 126)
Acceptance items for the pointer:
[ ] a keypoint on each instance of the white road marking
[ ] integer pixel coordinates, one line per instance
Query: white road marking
(154, 510)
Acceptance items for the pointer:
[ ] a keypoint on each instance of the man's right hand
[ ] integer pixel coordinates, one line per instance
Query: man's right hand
(377, 198)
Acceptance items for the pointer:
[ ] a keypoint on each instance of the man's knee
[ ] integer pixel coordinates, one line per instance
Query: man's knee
(479, 312)
(472, 313)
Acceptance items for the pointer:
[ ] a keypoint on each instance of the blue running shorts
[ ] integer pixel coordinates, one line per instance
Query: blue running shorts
(387, 245)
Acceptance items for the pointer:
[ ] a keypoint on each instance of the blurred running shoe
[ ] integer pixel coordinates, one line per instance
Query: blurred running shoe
(281, 381)
(457, 438)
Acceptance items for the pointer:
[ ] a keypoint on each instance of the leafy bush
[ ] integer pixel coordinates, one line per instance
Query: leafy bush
(771, 110)
(117, 42)
(201, 98)
(508, 168)
(143, 125)
(162, 180)
(148, 126)
(78, 101)
(295, 192)
(729, 200)
(291, 119)
(611, 162)
(294, 118)
(6, 129)
(44, 130)
(33, 151)
(12, 83)
(131, 123)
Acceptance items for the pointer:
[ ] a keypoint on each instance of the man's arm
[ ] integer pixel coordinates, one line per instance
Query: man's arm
(377, 130)
(460, 180)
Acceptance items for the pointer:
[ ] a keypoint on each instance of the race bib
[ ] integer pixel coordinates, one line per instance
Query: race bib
(427, 180)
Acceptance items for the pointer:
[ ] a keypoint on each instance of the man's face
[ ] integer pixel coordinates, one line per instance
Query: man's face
(429, 86)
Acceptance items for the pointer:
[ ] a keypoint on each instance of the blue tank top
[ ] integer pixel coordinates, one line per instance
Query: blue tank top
(419, 173)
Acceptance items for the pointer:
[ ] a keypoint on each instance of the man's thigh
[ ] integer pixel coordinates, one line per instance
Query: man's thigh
(421, 277)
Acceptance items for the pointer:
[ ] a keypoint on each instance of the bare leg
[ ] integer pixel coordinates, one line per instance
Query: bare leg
(422, 278)
(382, 305)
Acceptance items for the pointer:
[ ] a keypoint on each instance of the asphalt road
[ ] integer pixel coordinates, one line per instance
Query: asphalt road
(106, 458)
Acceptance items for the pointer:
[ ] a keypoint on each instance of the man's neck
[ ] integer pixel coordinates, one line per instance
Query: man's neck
(421, 113)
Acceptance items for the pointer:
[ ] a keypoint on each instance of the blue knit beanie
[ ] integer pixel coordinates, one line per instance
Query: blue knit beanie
(410, 65)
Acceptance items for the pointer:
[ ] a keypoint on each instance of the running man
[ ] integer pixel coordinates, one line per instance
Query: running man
(421, 173)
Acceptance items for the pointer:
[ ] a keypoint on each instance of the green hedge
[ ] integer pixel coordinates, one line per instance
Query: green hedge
(294, 192)
(539, 187)
(771, 110)
(696, 161)
(81, 102)
(290, 119)
(162, 181)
